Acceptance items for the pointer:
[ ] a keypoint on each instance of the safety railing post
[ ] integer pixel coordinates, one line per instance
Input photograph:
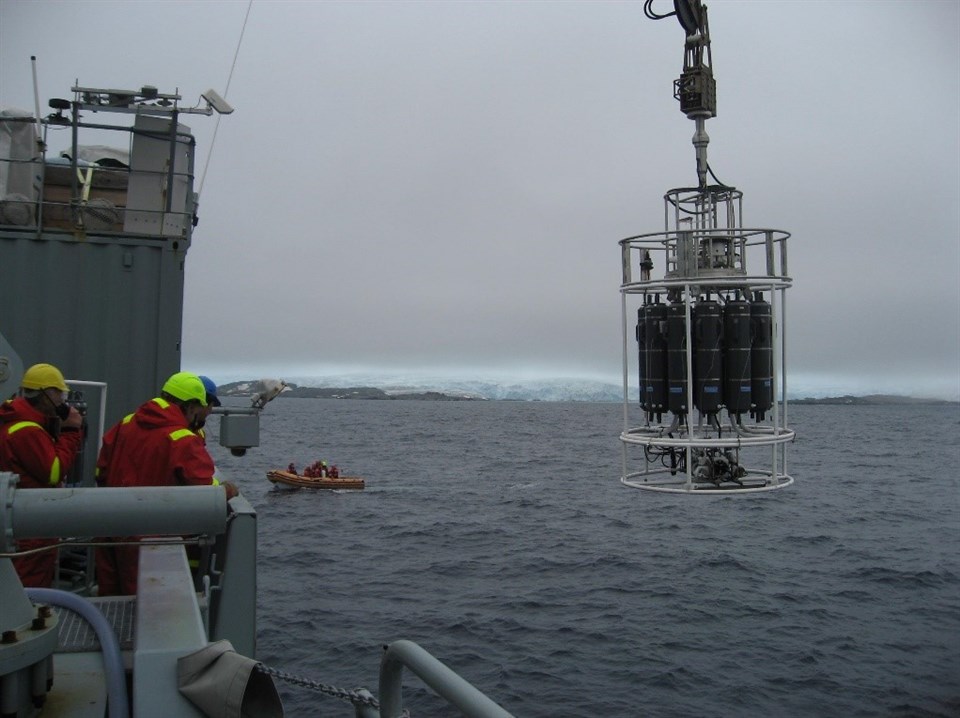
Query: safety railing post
(441, 679)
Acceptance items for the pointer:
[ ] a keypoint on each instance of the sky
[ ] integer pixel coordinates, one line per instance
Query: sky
(439, 187)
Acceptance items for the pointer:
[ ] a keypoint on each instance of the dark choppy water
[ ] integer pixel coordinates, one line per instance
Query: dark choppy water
(497, 536)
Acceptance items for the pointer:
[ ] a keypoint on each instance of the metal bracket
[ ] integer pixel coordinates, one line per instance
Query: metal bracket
(7, 483)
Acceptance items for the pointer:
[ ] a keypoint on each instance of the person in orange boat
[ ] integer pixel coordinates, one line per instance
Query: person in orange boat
(291, 468)
(39, 440)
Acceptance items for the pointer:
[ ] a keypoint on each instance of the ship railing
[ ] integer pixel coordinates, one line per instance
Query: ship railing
(102, 206)
(679, 254)
(147, 192)
(658, 436)
(663, 480)
(444, 681)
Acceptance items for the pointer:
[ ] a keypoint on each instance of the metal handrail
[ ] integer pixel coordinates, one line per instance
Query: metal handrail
(441, 679)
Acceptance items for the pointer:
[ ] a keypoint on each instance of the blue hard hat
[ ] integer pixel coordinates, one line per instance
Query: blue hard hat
(211, 388)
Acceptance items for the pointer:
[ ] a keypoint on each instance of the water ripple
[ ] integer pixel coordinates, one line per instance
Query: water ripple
(497, 535)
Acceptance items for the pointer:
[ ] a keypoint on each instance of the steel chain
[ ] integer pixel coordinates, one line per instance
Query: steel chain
(355, 697)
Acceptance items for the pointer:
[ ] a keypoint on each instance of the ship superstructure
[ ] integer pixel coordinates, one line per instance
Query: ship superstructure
(93, 245)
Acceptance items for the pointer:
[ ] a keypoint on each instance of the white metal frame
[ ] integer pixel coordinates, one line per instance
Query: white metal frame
(759, 246)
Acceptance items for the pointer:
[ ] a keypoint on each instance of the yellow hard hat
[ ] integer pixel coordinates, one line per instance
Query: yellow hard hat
(43, 376)
(186, 386)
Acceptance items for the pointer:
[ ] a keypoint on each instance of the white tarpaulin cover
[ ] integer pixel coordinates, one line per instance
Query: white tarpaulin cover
(19, 167)
(101, 155)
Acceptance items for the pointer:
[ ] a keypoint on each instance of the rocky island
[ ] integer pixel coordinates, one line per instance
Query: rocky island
(294, 391)
(528, 392)
(871, 400)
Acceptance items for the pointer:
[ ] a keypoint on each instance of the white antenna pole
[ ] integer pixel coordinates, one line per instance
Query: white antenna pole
(36, 99)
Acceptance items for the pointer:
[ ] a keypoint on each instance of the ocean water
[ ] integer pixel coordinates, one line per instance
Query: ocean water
(497, 536)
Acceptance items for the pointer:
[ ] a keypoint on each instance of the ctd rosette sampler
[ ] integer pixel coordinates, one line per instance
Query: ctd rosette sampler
(703, 316)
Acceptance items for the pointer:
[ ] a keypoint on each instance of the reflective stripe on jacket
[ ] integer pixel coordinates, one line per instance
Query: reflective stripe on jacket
(28, 449)
(154, 447)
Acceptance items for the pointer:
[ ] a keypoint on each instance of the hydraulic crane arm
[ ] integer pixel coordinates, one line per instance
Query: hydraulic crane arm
(696, 89)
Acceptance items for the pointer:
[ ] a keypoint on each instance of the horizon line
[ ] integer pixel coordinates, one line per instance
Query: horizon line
(446, 381)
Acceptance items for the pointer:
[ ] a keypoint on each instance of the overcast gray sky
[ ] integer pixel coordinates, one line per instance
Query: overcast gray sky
(441, 185)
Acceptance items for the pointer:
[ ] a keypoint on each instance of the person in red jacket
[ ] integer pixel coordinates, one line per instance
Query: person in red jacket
(39, 439)
(154, 446)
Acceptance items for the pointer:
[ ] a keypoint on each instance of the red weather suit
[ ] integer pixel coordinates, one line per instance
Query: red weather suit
(28, 449)
(152, 447)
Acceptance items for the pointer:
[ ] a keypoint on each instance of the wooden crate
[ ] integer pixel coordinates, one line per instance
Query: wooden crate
(105, 204)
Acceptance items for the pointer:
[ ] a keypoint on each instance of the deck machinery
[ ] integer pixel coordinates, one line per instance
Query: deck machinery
(703, 305)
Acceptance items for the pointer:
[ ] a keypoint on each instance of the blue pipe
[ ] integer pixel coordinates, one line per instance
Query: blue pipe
(112, 660)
